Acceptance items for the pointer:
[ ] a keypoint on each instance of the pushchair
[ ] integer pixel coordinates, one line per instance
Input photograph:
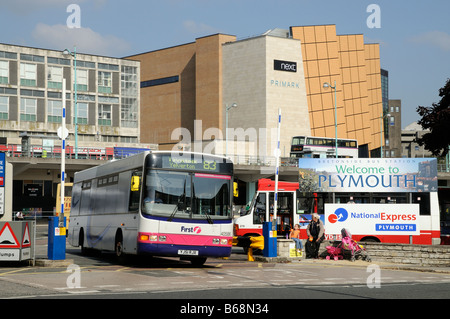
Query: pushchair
(334, 252)
(351, 249)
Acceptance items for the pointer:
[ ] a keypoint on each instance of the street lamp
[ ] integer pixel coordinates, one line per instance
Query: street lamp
(226, 126)
(327, 85)
(74, 54)
(381, 132)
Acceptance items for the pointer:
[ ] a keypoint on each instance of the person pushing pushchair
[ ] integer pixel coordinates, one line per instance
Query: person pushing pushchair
(316, 235)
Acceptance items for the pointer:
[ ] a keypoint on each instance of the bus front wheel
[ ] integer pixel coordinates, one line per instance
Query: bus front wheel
(118, 247)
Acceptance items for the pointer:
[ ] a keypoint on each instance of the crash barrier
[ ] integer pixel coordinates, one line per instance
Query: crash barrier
(16, 240)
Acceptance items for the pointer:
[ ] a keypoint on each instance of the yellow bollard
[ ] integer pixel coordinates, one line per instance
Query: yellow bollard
(250, 254)
(257, 243)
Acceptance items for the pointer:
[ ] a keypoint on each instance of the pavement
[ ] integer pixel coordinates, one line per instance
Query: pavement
(238, 256)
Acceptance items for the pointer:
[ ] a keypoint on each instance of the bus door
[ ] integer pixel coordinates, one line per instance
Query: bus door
(285, 212)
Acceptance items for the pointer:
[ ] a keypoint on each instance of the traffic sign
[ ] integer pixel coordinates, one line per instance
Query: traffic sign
(7, 237)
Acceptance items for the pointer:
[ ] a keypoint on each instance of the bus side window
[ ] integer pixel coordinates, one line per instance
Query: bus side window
(135, 193)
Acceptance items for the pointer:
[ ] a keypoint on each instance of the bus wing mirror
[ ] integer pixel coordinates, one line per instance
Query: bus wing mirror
(235, 189)
(135, 183)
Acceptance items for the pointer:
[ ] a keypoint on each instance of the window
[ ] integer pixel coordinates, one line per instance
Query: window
(4, 107)
(170, 79)
(28, 74)
(186, 195)
(105, 66)
(129, 112)
(28, 109)
(392, 121)
(104, 82)
(129, 81)
(104, 114)
(31, 57)
(82, 110)
(54, 111)
(82, 80)
(58, 61)
(4, 72)
(135, 196)
(259, 213)
(54, 77)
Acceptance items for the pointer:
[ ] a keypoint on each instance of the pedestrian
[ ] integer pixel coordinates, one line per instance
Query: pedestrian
(295, 236)
(316, 234)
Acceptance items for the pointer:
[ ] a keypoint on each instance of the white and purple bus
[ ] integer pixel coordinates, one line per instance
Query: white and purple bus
(157, 203)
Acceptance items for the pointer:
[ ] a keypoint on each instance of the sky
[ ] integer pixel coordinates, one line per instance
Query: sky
(414, 35)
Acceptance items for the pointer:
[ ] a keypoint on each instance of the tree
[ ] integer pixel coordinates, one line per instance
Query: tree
(436, 118)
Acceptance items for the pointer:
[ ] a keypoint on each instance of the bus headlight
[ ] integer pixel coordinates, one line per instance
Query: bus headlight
(162, 238)
(153, 238)
(224, 241)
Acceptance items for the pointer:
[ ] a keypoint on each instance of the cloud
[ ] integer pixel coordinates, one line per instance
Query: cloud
(86, 40)
(438, 39)
(199, 28)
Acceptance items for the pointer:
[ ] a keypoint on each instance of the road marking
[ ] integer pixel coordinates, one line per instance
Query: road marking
(12, 271)
(83, 291)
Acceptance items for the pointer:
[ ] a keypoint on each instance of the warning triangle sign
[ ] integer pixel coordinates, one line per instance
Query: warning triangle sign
(26, 242)
(7, 238)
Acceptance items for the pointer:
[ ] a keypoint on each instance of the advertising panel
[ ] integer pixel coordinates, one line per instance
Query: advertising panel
(368, 174)
(372, 219)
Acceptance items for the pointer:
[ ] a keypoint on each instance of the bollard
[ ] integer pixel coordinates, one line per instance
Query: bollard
(257, 243)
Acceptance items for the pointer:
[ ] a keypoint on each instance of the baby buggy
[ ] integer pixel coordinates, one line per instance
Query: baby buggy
(334, 252)
(351, 249)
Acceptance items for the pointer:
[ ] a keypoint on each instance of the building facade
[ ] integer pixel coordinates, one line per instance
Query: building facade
(108, 107)
(31, 95)
(263, 75)
(355, 68)
(179, 85)
(199, 81)
(410, 148)
(393, 147)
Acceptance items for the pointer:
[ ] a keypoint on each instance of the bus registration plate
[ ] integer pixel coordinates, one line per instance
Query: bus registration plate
(188, 252)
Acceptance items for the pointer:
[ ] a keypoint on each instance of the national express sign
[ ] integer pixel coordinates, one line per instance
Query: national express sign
(368, 175)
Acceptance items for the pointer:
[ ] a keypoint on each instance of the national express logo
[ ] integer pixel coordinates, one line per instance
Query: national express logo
(195, 230)
(340, 215)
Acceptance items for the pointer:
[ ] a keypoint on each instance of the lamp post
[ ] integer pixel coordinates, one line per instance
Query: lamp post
(381, 132)
(226, 126)
(325, 86)
(74, 54)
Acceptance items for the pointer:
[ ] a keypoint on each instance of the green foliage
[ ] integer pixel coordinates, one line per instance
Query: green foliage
(436, 118)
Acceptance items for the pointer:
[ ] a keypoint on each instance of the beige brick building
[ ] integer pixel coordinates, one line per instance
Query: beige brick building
(280, 69)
